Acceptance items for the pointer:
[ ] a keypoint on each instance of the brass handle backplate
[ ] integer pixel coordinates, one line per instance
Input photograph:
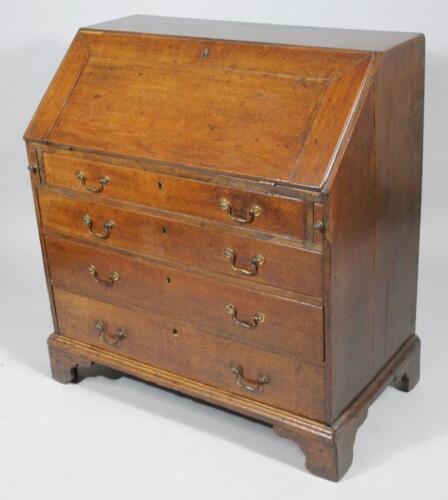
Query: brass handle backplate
(253, 212)
(258, 318)
(83, 180)
(108, 225)
(114, 340)
(113, 277)
(257, 262)
(249, 385)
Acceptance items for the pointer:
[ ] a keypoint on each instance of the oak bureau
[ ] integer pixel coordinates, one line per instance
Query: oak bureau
(232, 211)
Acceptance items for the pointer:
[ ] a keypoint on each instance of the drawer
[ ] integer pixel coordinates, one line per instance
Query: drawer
(281, 266)
(200, 199)
(265, 321)
(166, 344)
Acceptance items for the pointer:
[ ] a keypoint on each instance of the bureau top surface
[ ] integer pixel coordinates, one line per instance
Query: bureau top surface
(204, 95)
(332, 38)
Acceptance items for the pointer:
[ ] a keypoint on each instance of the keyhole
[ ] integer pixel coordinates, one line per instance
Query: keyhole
(168, 279)
(204, 53)
(175, 332)
(160, 184)
(164, 229)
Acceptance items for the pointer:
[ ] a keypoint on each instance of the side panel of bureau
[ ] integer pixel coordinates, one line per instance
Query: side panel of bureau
(374, 215)
(289, 327)
(399, 152)
(350, 248)
(186, 351)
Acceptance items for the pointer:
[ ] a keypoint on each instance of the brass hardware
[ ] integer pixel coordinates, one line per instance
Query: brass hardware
(119, 335)
(113, 277)
(258, 318)
(83, 180)
(253, 212)
(249, 385)
(257, 262)
(32, 168)
(319, 226)
(108, 225)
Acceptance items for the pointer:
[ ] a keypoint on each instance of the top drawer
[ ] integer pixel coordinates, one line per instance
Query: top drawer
(200, 199)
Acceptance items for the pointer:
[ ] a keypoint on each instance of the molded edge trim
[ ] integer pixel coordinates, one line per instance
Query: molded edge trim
(235, 402)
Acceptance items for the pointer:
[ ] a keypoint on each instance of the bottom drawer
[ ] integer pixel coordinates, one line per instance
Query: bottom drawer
(168, 344)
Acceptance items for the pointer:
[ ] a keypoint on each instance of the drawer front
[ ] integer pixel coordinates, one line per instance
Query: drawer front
(272, 323)
(292, 386)
(277, 265)
(266, 213)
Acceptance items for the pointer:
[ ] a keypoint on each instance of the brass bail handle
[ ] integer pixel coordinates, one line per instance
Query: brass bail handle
(103, 181)
(249, 385)
(251, 213)
(257, 262)
(113, 277)
(257, 320)
(107, 227)
(112, 340)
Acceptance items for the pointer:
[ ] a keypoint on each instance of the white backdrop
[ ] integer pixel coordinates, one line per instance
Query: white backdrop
(121, 439)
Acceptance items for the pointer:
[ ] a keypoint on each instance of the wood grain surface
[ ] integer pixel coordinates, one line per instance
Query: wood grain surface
(290, 327)
(177, 347)
(283, 267)
(279, 214)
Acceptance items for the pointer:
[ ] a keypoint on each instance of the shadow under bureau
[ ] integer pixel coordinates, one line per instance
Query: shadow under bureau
(232, 211)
